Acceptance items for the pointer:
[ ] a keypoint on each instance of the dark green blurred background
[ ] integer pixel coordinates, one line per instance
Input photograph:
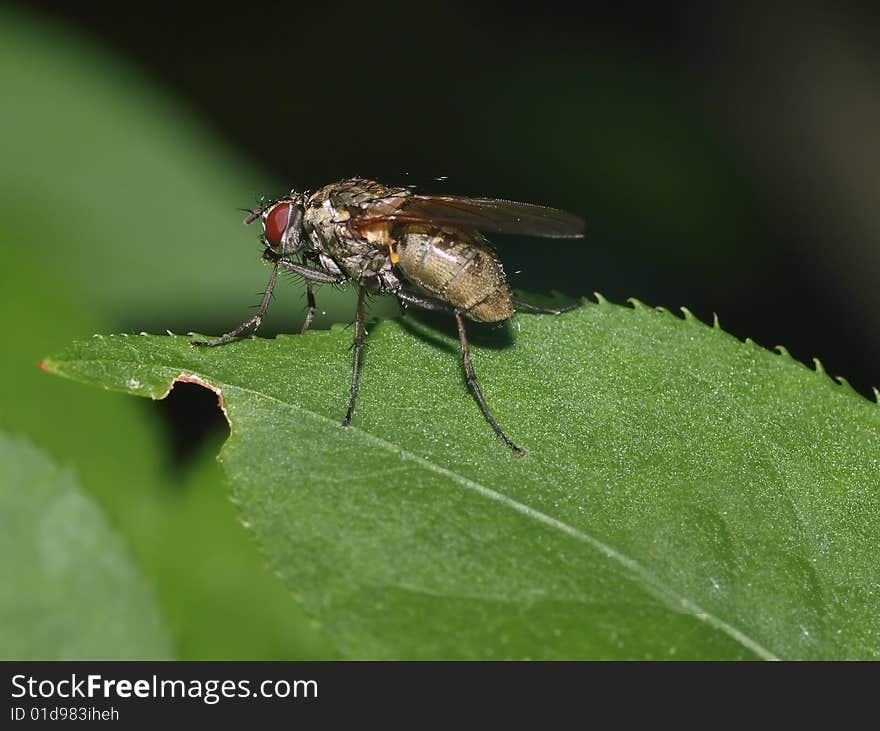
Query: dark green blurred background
(725, 160)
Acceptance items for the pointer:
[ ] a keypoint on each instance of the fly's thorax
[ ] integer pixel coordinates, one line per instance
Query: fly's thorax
(362, 253)
(329, 211)
(352, 198)
(357, 257)
(457, 267)
(342, 250)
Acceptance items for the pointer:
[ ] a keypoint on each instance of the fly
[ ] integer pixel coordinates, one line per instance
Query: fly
(427, 250)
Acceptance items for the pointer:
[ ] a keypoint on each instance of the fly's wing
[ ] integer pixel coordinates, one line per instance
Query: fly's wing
(490, 215)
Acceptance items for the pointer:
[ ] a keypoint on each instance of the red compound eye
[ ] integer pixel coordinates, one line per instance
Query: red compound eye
(276, 223)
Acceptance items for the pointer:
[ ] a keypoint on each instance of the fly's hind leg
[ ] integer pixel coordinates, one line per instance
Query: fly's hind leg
(520, 305)
(475, 387)
(426, 303)
(429, 303)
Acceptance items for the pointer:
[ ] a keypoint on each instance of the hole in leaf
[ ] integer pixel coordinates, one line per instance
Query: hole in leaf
(191, 417)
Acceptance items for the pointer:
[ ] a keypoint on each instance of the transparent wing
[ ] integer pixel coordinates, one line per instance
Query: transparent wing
(491, 215)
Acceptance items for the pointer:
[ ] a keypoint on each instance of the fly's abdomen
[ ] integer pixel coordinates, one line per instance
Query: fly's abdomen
(458, 268)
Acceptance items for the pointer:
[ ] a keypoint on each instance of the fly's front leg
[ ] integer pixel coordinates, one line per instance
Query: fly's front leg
(250, 322)
(358, 345)
(310, 274)
(475, 387)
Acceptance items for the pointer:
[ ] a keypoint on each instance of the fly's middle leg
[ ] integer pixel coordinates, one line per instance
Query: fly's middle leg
(310, 312)
(358, 346)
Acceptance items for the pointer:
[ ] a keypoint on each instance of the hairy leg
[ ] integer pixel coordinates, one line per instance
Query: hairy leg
(520, 305)
(310, 274)
(420, 300)
(475, 387)
(250, 322)
(310, 312)
(358, 346)
(429, 303)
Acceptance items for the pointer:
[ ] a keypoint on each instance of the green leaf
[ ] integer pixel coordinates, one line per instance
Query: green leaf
(70, 588)
(683, 495)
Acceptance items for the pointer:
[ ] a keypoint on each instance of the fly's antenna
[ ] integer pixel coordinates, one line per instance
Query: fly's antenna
(255, 213)
(252, 215)
(265, 205)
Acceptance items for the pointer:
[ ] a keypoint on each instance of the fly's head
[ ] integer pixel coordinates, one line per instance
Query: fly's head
(282, 219)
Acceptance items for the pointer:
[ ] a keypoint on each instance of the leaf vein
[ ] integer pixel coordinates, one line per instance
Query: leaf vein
(652, 582)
